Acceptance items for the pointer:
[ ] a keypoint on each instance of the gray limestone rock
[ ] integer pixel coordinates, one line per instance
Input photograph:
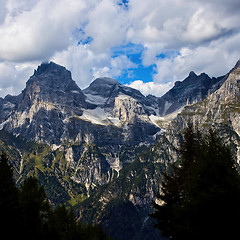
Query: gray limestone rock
(191, 90)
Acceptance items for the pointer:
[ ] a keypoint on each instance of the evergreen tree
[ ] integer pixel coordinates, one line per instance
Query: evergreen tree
(214, 193)
(9, 199)
(62, 224)
(35, 207)
(200, 198)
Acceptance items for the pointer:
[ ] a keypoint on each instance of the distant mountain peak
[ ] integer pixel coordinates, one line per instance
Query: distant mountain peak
(192, 74)
(102, 87)
(52, 75)
(105, 81)
(237, 64)
(50, 67)
(52, 83)
(192, 89)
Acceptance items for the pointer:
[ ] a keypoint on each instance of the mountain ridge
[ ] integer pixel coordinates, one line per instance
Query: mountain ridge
(52, 109)
(219, 110)
(102, 91)
(105, 147)
(192, 89)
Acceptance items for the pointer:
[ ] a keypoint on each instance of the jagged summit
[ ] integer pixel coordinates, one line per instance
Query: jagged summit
(102, 86)
(192, 89)
(51, 83)
(192, 74)
(105, 80)
(54, 76)
(51, 67)
(50, 78)
(237, 64)
(103, 91)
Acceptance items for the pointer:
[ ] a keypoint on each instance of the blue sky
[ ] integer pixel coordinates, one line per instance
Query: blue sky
(147, 45)
(139, 72)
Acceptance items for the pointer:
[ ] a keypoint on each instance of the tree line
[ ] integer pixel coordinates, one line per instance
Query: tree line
(26, 213)
(200, 194)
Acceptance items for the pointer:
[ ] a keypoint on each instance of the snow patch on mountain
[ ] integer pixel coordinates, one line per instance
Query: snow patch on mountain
(99, 116)
(154, 119)
(166, 107)
(3, 124)
(95, 99)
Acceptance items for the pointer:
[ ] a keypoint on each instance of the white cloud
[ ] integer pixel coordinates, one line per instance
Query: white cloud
(119, 64)
(86, 65)
(82, 62)
(37, 32)
(180, 23)
(3, 11)
(13, 77)
(152, 88)
(205, 33)
(202, 27)
(151, 50)
(215, 59)
(107, 25)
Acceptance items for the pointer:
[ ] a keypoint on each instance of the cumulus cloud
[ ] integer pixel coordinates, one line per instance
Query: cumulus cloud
(176, 37)
(202, 34)
(107, 25)
(151, 88)
(36, 31)
(13, 77)
(215, 59)
(86, 65)
(202, 27)
(82, 62)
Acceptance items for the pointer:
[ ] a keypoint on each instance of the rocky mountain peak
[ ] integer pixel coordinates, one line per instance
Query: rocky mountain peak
(230, 90)
(237, 64)
(51, 67)
(52, 75)
(51, 83)
(103, 92)
(192, 74)
(102, 87)
(219, 109)
(192, 89)
(104, 81)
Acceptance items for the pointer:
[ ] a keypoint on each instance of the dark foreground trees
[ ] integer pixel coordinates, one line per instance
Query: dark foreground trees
(25, 212)
(200, 198)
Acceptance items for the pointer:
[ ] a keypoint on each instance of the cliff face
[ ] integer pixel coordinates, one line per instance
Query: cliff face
(220, 110)
(127, 109)
(50, 97)
(192, 90)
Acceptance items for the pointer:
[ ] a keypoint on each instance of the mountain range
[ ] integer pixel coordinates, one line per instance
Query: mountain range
(103, 149)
